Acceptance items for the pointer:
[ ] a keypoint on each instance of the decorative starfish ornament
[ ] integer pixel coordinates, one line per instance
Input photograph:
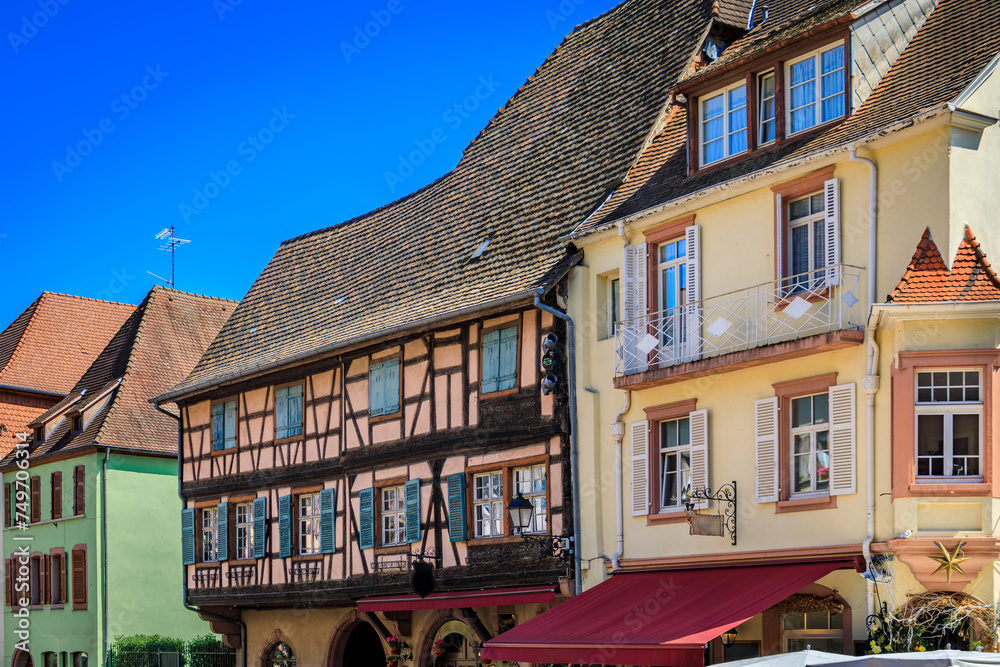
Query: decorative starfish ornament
(950, 561)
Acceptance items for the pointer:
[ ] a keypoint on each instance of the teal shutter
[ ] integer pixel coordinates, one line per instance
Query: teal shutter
(295, 410)
(281, 413)
(390, 387)
(508, 359)
(376, 390)
(491, 362)
(285, 526)
(218, 427)
(259, 527)
(456, 508)
(187, 536)
(230, 440)
(366, 520)
(413, 510)
(222, 512)
(327, 521)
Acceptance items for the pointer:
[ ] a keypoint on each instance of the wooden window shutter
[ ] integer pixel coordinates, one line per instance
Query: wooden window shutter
(57, 495)
(831, 196)
(79, 490)
(328, 521)
(699, 453)
(390, 387)
(692, 314)
(640, 467)
(843, 427)
(6, 505)
(766, 449)
(376, 390)
(259, 527)
(8, 574)
(36, 499)
(218, 427)
(230, 440)
(508, 359)
(187, 536)
(366, 519)
(285, 526)
(491, 362)
(45, 577)
(457, 525)
(413, 510)
(281, 413)
(62, 578)
(222, 545)
(634, 277)
(79, 577)
(295, 421)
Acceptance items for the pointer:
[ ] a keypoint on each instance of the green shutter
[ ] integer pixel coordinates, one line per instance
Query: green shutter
(218, 427)
(508, 359)
(327, 521)
(281, 413)
(413, 510)
(222, 512)
(491, 362)
(366, 518)
(187, 536)
(259, 527)
(457, 529)
(295, 410)
(230, 441)
(285, 526)
(376, 390)
(390, 387)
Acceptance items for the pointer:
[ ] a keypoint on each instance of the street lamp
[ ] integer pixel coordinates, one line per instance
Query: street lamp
(522, 511)
(522, 514)
(729, 638)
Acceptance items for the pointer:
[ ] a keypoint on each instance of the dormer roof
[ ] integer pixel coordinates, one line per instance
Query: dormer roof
(928, 280)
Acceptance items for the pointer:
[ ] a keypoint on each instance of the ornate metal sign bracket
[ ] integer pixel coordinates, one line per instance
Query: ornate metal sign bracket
(725, 495)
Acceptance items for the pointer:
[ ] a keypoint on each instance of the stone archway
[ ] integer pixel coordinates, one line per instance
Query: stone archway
(356, 643)
(442, 625)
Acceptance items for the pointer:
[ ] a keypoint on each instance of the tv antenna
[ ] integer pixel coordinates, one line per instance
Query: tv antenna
(170, 243)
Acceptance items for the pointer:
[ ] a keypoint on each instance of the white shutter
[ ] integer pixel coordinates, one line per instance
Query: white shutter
(765, 424)
(832, 206)
(692, 236)
(779, 236)
(634, 329)
(843, 427)
(699, 453)
(640, 468)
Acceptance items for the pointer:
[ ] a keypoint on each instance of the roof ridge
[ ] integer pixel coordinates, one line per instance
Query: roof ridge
(980, 255)
(209, 297)
(34, 306)
(87, 298)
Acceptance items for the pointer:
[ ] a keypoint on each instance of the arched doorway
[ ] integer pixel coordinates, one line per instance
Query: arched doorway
(458, 652)
(21, 659)
(364, 647)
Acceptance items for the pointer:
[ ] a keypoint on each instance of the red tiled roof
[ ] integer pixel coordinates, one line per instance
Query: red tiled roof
(928, 280)
(55, 339)
(16, 412)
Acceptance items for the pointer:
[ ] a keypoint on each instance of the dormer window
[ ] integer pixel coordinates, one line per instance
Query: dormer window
(816, 89)
(723, 124)
(39, 435)
(77, 423)
(766, 111)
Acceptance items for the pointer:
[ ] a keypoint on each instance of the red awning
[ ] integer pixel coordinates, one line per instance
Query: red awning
(488, 598)
(653, 618)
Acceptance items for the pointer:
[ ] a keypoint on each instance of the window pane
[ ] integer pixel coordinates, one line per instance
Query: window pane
(684, 432)
(965, 445)
(800, 249)
(801, 411)
(930, 444)
(803, 119)
(821, 409)
(819, 245)
(681, 248)
(798, 209)
(836, 621)
(795, 621)
(822, 461)
(816, 203)
(713, 151)
(817, 620)
(712, 107)
(803, 71)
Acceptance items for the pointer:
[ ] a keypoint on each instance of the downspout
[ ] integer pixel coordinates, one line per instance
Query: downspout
(180, 477)
(618, 433)
(104, 547)
(871, 380)
(574, 468)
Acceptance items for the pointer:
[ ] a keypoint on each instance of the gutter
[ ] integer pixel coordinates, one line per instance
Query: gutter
(184, 590)
(574, 466)
(42, 392)
(104, 547)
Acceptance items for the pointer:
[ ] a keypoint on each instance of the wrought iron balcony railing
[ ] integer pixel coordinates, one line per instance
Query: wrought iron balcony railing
(782, 310)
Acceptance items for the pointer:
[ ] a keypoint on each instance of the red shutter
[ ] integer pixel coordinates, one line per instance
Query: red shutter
(6, 505)
(57, 495)
(79, 488)
(62, 578)
(46, 580)
(36, 499)
(79, 577)
(8, 574)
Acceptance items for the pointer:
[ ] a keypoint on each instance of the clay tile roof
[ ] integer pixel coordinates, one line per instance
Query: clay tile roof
(544, 162)
(154, 349)
(928, 280)
(957, 42)
(49, 345)
(734, 12)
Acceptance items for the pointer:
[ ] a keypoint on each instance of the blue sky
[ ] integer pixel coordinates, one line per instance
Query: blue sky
(241, 122)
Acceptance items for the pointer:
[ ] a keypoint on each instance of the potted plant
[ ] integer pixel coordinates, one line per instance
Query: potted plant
(438, 648)
(395, 644)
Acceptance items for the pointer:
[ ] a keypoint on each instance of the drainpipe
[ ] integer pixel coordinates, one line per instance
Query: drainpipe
(871, 381)
(618, 433)
(574, 468)
(180, 476)
(104, 547)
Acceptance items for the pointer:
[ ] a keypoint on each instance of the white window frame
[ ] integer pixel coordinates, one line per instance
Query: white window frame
(760, 107)
(726, 132)
(811, 633)
(209, 534)
(813, 430)
(308, 524)
(393, 515)
(613, 298)
(814, 279)
(244, 531)
(948, 409)
(525, 479)
(817, 102)
(674, 347)
(488, 509)
(683, 473)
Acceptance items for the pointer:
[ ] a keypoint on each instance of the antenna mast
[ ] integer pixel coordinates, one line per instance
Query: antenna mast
(170, 243)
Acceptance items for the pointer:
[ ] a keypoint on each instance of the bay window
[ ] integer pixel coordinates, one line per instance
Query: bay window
(949, 411)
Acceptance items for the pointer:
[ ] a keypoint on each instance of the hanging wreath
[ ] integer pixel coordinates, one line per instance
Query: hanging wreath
(929, 616)
(803, 604)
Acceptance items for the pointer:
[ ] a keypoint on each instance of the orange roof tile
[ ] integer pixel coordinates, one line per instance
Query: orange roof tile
(928, 280)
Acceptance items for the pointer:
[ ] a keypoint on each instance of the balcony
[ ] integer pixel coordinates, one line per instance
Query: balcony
(674, 344)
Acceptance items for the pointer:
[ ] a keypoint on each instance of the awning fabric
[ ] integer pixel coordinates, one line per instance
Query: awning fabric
(485, 598)
(653, 618)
